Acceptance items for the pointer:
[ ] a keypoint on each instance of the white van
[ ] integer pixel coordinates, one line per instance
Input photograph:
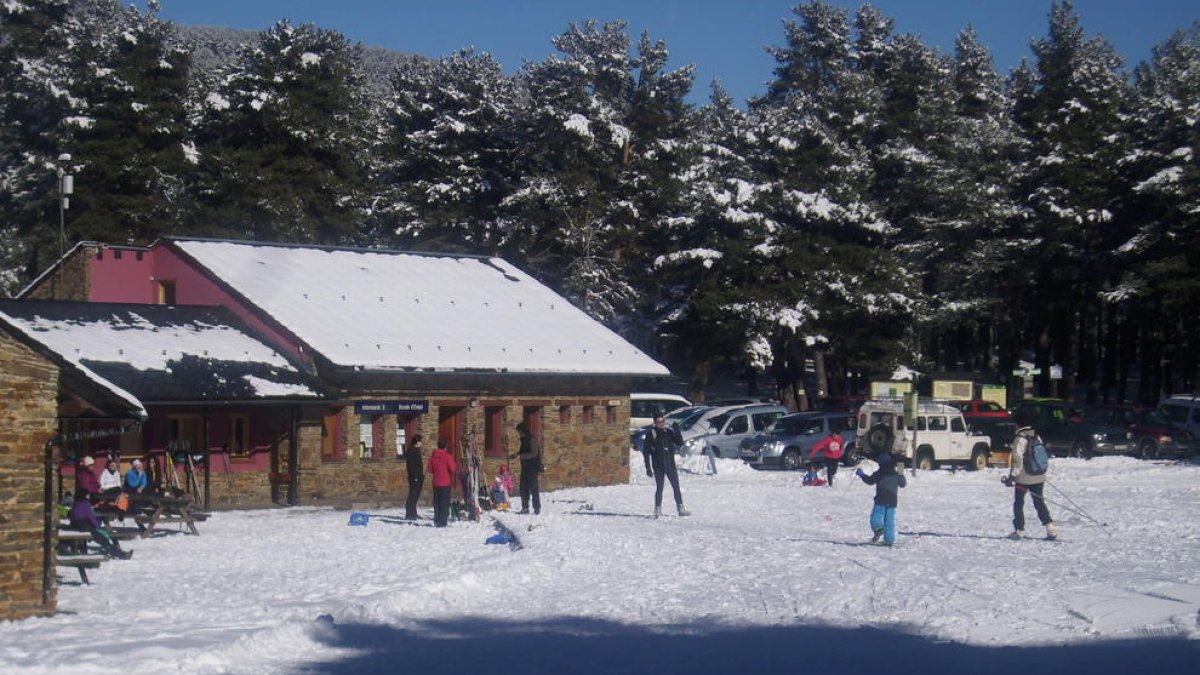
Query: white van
(1182, 410)
(643, 407)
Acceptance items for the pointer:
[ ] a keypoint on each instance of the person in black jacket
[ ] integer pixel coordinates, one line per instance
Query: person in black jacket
(416, 477)
(887, 495)
(531, 465)
(660, 445)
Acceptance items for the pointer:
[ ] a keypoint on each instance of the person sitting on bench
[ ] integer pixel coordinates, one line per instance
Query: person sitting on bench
(83, 518)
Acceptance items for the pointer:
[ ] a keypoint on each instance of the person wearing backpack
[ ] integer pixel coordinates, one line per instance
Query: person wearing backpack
(1027, 473)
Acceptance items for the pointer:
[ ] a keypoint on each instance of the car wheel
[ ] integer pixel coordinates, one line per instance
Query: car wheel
(979, 460)
(790, 460)
(925, 461)
(1081, 449)
(1148, 449)
(852, 456)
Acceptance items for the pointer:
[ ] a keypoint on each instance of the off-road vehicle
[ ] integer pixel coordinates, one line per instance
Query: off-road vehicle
(938, 435)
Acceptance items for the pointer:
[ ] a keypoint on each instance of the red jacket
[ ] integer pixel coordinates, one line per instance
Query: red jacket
(86, 480)
(829, 447)
(442, 467)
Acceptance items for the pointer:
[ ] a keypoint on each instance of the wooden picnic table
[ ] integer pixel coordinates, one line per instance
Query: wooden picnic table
(78, 556)
(150, 510)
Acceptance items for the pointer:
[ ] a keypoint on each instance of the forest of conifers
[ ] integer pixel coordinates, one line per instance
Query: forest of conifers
(880, 203)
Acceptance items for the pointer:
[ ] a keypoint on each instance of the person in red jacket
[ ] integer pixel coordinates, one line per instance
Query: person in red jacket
(829, 449)
(84, 478)
(442, 469)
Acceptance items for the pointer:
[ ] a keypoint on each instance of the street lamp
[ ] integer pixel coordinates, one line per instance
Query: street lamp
(66, 187)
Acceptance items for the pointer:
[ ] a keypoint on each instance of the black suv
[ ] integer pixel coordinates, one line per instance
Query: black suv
(1066, 430)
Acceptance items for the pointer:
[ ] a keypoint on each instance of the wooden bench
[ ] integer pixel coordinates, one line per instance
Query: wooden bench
(82, 562)
(76, 542)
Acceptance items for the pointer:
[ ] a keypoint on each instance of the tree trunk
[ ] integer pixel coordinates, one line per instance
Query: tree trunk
(699, 381)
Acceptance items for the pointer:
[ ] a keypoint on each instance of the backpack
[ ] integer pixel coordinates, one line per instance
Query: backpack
(1036, 459)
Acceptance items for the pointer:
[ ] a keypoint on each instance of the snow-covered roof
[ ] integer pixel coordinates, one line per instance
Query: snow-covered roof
(392, 310)
(162, 353)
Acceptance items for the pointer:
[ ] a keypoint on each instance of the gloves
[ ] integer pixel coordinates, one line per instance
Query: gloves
(859, 472)
(1007, 480)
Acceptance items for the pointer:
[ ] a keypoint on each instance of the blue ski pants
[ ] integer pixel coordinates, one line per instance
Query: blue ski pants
(884, 517)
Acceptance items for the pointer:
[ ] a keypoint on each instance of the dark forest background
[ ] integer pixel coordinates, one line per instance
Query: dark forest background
(880, 204)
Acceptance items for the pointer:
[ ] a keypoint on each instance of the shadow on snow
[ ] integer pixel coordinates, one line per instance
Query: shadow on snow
(581, 646)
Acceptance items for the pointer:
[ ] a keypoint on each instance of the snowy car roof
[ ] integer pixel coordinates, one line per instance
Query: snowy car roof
(392, 310)
(159, 353)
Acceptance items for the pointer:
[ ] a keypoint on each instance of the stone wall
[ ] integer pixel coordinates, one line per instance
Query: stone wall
(577, 453)
(28, 392)
(71, 281)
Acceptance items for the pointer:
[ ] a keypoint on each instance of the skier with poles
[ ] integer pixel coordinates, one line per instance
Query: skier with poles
(1027, 473)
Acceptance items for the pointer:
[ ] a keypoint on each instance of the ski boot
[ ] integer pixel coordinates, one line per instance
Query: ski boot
(1051, 532)
(1017, 534)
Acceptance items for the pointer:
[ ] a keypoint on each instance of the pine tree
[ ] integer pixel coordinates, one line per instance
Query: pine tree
(1164, 249)
(828, 271)
(131, 149)
(445, 165)
(1076, 125)
(34, 107)
(280, 141)
(587, 173)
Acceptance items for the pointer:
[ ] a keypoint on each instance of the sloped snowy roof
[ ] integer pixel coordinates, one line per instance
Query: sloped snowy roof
(162, 353)
(391, 310)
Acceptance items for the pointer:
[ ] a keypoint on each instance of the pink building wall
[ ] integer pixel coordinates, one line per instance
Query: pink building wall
(132, 276)
(122, 275)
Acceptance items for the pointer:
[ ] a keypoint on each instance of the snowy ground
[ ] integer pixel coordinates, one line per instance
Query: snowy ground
(765, 577)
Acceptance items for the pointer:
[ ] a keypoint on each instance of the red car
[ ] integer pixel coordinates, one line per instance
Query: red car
(1154, 434)
(981, 408)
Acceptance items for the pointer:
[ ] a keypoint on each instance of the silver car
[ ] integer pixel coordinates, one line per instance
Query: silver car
(789, 441)
(721, 431)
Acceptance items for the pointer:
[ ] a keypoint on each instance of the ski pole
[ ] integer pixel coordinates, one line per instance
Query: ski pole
(1068, 509)
(1065, 495)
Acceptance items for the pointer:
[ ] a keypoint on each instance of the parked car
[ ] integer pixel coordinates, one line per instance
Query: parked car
(726, 402)
(644, 406)
(787, 443)
(1066, 430)
(722, 430)
(681, 417)
(1154, 435)
(942, 436)
(981, 408)
(839, 403)
(1183, 411)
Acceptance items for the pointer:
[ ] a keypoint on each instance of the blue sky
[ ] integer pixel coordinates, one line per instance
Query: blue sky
(723, 38)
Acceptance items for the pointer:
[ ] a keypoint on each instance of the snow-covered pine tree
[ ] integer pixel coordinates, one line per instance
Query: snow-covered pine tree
(444, 166)
(573, 212)
(979, 283)
(827, 270)
(706, 270)
(1076, 123)
(1164, 251)
(130, 145)
(280, 141)
(34, 40)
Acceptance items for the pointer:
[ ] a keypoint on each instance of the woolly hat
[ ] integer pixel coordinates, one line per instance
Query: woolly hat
(884, 459)
(88, 460)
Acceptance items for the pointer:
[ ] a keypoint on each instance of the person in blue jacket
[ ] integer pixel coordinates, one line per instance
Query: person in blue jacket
(887, 484)
(135, 478)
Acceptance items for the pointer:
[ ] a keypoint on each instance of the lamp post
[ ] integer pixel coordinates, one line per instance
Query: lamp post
(66, 187)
